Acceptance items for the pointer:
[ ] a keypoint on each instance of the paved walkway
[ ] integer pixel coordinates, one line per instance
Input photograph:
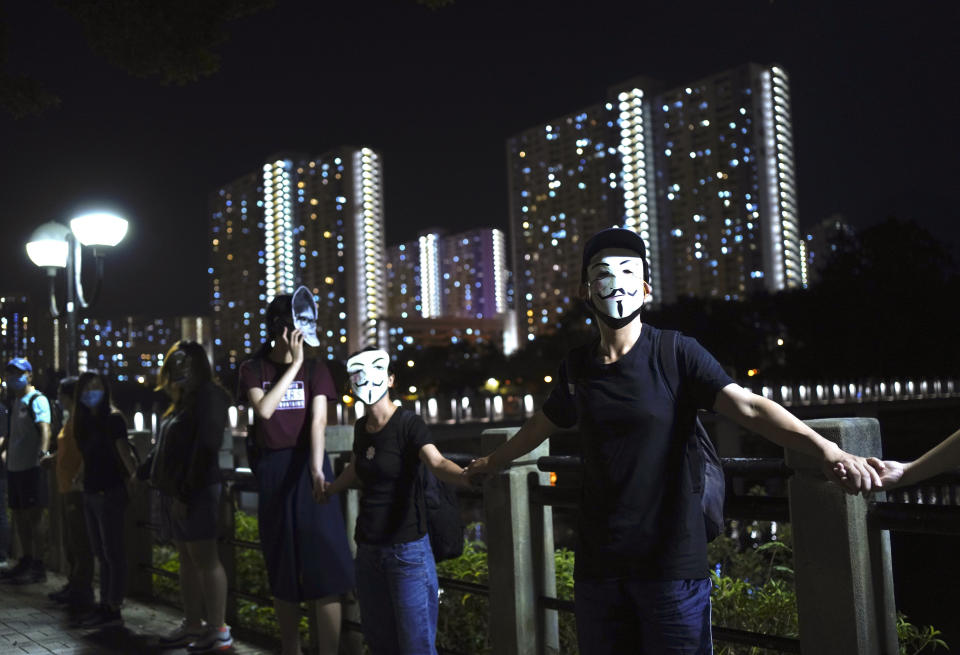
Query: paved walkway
(30, 623)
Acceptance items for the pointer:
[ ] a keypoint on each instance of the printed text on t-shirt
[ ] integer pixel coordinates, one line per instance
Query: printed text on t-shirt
(293, 398)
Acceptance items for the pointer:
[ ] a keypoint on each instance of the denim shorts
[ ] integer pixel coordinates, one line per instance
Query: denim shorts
(399, 597)
(649, 617)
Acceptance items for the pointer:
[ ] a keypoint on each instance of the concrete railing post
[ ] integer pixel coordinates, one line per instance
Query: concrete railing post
(844, 577)
(227, 551)
(520, 555)
(339, 445)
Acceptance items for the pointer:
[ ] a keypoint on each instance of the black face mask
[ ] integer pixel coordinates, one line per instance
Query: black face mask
(610, 321)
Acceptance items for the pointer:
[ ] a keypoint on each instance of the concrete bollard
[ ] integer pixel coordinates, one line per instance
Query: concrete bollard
(844, 577)
(339, 445)
(521, 559)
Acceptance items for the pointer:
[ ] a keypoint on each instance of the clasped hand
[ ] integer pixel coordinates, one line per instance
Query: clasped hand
(860, 474)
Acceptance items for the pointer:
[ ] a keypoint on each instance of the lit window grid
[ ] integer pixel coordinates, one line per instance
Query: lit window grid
(634, 170)
(370, 241)
(537, 197)
(278, 221)
(774, 228)
(429, 276)
(499, 271)
(786, 178)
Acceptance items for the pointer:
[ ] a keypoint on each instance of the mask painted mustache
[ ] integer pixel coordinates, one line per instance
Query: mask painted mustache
(366, 382)
(616, 292)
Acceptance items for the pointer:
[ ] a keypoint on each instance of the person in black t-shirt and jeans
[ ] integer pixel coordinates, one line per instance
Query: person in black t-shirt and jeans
(108, 470)
(641, 582)
(396, 573)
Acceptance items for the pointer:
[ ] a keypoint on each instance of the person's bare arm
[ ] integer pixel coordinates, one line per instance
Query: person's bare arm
(442, 467)
(943, 457)
(265, 404)
(347, 479)
(318, 427)
(45, 434)
(770, 420)
(533, 433)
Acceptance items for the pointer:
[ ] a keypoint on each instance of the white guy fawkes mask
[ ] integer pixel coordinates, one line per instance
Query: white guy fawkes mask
(616, 285)
(369, 375)
(305, 315)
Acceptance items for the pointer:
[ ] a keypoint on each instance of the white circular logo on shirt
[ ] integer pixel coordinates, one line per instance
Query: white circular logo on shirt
(371, 451)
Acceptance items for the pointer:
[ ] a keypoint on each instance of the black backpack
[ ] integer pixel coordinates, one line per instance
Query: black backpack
(706, 470)
(443, 516)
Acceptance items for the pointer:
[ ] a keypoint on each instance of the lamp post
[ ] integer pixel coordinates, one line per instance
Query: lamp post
(53, 246)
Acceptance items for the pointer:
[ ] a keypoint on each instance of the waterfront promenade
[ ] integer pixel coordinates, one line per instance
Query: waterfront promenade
(30, 623)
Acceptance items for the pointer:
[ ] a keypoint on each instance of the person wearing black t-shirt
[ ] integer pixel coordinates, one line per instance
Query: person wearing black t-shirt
(396, 574)
(108, 469)
(641, 582)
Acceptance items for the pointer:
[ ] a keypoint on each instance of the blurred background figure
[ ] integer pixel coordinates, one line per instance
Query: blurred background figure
(108, 469)
(184, 467)
(26, 444)
(77, 594)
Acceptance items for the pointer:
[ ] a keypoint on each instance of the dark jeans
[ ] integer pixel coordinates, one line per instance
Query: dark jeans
(104, 511)
(76, 543)
(398, 595)
(649, 617)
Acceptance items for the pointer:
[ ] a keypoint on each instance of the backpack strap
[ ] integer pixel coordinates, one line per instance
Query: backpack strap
(671, 374)
(28, 401)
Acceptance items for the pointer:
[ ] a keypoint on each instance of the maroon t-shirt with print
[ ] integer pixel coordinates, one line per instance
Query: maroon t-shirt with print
(290, 421)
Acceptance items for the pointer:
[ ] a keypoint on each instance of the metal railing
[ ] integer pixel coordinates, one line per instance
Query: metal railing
(908, 511)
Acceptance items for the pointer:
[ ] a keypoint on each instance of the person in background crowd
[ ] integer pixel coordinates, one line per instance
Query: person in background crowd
(108, 468)
(78, 592)
(185, 467)
(396, 573)
(304, 544)
(641, 582)
(26, 446)
(943, 457)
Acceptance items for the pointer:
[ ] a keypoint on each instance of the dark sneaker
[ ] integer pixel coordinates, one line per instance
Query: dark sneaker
(80, 600)
(15, 571)
(61, 595)
(182, 635)
(33, 574)
(213, 640)
(102, 617)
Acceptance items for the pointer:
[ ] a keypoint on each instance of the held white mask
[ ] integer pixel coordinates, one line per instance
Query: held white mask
(616, 285)
(369, 375)
(305, 315)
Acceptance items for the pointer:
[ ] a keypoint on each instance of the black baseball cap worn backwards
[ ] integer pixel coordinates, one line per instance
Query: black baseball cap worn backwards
(614, 237)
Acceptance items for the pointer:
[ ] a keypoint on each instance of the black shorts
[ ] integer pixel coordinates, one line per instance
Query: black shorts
(202, 520)
(27, 489)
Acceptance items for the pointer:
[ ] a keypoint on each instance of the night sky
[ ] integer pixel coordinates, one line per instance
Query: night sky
(438, 92)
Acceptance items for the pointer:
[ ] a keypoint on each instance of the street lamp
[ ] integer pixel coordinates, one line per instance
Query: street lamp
(53, 246)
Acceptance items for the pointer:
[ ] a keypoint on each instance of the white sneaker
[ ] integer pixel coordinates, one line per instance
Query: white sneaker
(215, 639)
(182, 635)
